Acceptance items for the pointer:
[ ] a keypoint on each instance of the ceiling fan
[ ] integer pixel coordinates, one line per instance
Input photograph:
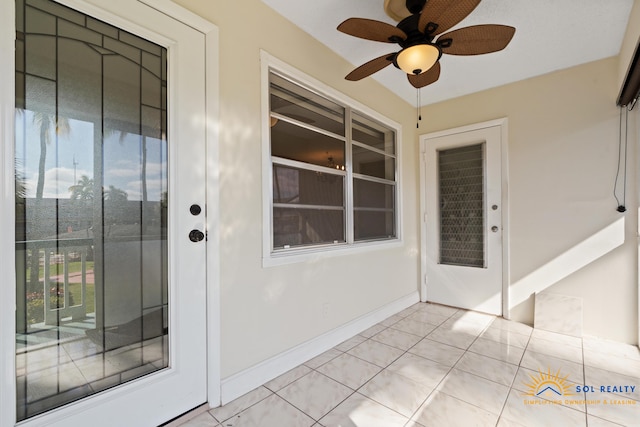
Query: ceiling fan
(420, 36)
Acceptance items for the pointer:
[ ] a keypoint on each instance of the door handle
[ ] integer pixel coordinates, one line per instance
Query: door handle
(196, 235)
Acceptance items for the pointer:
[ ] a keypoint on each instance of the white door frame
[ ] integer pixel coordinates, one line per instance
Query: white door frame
(7, 196)
(503, 125)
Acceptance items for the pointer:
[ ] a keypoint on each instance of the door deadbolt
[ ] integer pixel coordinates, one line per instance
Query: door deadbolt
(195, 209)
(495, 228)
(196, 235)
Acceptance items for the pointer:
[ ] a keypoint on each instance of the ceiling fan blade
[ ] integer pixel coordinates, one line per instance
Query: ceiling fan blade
(370, 29)
(371, 67)
(476, 40)
(430, 76)
(445, 13)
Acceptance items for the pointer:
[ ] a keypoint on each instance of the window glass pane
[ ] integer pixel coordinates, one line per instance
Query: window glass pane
(77, 32)
(295, 102)
(461, 177)
(78, 88)
(140, 43)
(122, 92)
(39, 22)
(370, 225)
(56, 9)
(297, 227)
(299, 186)
(40, 98)
(40, 56)
(101, 27)
(373, 215)
(367, 162)
(20, 91)
(296, 143)
(368, 194)
(122, 49)
(373, 134)
(19, 16)
(151, 87)
(20, 54)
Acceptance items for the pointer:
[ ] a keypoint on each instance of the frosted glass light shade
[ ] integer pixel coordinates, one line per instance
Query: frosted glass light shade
(417, 59)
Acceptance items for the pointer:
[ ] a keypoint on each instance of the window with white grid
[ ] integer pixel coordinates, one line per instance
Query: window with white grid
(333, 171)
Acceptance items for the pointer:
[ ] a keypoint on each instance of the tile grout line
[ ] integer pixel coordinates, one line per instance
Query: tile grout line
(458, 361)
(245, 409)
(584, 380)
(410, 418)
(504, 405)
(443, 377)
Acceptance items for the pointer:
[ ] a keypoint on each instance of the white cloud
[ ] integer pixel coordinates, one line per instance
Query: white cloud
(56, 182)
(154, 189)
(123, 173)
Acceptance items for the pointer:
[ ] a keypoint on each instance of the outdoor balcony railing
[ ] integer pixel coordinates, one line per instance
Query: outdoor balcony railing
(65, 274)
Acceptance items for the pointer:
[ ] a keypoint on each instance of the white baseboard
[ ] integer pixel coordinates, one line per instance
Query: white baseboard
(255, 376)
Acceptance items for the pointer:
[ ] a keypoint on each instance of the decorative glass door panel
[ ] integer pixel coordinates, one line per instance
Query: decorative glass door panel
(461, 185)
(91, 206)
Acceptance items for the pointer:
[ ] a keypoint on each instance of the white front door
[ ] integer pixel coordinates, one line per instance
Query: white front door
(110, 244)
(462, 193)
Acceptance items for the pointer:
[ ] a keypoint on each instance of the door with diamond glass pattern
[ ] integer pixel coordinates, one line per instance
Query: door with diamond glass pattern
(463, 201)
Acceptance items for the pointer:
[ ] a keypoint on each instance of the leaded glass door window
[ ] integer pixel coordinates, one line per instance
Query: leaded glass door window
(97, 218)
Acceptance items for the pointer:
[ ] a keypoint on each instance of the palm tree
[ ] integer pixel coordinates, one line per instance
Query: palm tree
(83, 189)
(21, 194)
(115, 194)
(21, 185)
(82, 196)
(144, 168)
(45, 122)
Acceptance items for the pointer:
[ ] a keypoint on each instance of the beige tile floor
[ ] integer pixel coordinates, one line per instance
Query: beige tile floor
(432, 365)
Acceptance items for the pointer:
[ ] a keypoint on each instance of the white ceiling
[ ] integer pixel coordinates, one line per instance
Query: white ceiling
(550, 35)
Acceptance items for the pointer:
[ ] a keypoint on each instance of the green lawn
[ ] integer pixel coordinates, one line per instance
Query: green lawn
(58, 269)
(76, 291)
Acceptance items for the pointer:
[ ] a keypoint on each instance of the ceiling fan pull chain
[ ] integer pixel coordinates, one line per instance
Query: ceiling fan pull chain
(418, 108)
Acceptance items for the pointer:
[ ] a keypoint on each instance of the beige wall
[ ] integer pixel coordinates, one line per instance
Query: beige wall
(565, 234)
(266, 311)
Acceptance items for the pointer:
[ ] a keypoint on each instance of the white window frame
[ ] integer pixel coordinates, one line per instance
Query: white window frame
(271, 257)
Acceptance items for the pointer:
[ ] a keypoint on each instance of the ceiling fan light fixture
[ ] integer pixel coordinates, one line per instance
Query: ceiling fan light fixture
(418, 58)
